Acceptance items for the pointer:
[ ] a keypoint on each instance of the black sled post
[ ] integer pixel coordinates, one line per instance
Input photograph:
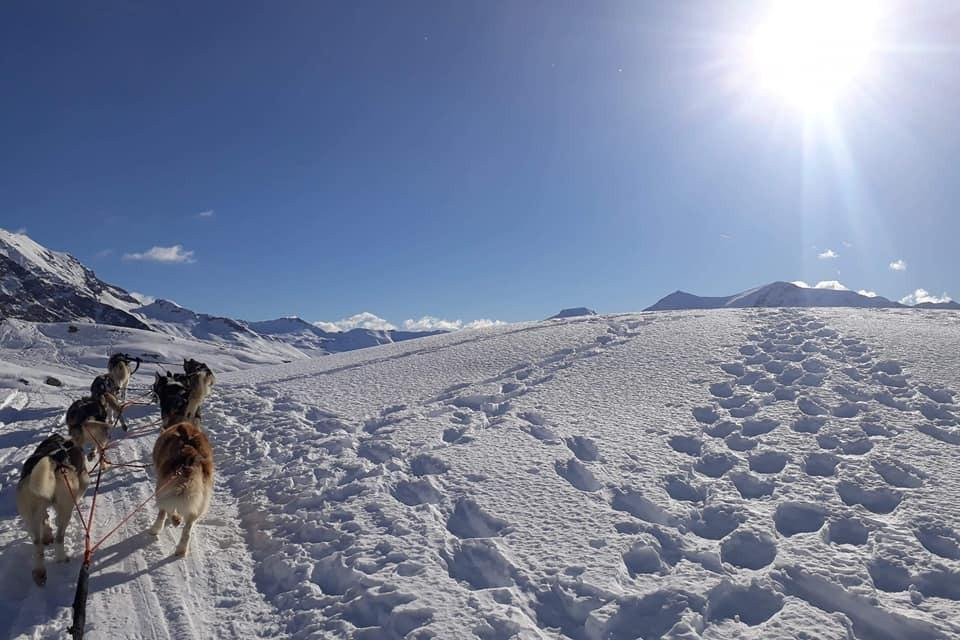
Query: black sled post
(80, 602)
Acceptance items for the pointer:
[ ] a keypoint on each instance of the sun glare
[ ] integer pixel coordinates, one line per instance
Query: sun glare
(809, 53)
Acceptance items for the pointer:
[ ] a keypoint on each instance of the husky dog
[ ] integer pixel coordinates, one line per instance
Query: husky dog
(119, 368)
(173, 395)
(87, 422)
(105, 390)
(183, 460)
(200, 381)
(49, 476)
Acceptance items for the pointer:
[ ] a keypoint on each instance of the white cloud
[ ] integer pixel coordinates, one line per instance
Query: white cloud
(430, 323)
(174, 254)
(869, 294)
(22, 231)
(898, 265)
(829, 254)
(823, 284)
(206, 214)
(364, 320)
(103, 253)
(726, 236)
(831, 284)
(848, 245)
(922, 295)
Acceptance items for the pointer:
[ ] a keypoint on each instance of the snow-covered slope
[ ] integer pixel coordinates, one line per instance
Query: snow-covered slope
(47, 286)
(312, 339)
(704, 474)
(172, 319)
(776, 294)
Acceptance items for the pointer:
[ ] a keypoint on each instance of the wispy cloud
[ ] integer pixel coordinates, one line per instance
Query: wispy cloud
(869, 294)
(829, 254)
(103, 253)
(726, 236)
(922, 295)
(898, 265)
(848, 245)
(431, 323)
(169, 255)
(363, 320)
(209, 213)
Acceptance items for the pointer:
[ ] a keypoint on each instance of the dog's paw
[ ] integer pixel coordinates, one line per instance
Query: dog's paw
(48, 537)
(181, 551)
(155, 531)
(63, 557)
(176, 520)
(40, 577)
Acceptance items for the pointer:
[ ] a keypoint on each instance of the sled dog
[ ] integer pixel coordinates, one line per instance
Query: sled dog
(49, 476)
(183, 460)
(199, 382)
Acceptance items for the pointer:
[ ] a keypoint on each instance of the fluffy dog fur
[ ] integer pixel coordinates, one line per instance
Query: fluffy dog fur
(183, 460)
(86, 422)
(119, 368)
(173, 396)
(200, 381)
(43, 483)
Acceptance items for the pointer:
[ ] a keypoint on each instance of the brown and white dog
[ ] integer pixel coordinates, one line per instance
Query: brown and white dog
(44, 481)
(183, 460)
(199, 383)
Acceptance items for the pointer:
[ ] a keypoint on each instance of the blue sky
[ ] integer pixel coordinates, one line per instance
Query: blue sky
(467, 159)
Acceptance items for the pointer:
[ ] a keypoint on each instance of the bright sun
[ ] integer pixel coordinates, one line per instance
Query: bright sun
(810, 52)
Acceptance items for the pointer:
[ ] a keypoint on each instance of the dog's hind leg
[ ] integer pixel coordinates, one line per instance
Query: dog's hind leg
(158, 523)
(64, 509)
(47, 531)
(184, 545)
(39, 570)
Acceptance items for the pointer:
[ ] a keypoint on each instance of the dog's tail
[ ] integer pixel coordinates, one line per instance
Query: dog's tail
(43, 479)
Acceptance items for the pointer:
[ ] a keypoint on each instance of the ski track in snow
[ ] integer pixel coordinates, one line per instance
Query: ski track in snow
(722, 474)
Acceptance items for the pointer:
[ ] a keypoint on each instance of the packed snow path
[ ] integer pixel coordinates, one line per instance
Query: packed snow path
(720, 474)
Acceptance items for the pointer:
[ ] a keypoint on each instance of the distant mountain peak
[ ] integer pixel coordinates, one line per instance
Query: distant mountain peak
(573, 312)
(775, 294)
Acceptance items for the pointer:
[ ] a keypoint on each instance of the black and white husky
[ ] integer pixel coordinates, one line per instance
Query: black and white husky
(51, 477)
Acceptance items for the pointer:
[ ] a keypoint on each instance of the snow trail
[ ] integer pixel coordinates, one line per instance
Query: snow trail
(712, 474)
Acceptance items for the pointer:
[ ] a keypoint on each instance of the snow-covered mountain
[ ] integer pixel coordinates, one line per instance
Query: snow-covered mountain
(952, 304)
(48, 286)
(312, 339)
(749, 473)
(573, 312)
(776, 294)
(40, 285)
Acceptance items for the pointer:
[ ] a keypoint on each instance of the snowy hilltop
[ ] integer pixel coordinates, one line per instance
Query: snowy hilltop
(750, 473)
(40, 285)
(776, 294)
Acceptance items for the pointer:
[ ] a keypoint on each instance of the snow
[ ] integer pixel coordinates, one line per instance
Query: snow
(734, 473)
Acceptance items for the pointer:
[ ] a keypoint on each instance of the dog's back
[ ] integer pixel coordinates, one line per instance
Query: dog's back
(183, 460)
(86, 420)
